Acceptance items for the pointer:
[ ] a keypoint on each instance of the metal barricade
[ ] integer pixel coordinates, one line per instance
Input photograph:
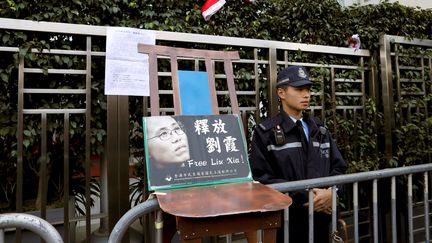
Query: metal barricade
(30, 222)
(151, 205)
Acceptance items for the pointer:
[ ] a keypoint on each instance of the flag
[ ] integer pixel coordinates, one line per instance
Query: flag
(210, 7)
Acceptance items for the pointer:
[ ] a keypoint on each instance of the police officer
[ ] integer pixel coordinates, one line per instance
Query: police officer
(294, 146)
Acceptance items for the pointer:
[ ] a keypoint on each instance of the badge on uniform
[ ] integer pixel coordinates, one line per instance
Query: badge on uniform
(325, 153)
(301, 73)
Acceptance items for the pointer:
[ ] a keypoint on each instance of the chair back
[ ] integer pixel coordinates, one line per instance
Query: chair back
(175, 54)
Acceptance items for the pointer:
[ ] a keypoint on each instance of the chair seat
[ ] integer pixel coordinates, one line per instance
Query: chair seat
(222, 199)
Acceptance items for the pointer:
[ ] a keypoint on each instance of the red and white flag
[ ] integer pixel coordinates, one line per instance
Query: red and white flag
(210, 7)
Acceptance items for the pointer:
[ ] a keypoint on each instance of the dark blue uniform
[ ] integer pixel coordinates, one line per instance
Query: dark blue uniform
(288, 160)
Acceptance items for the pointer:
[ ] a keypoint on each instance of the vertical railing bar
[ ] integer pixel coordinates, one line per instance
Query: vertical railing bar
(356, 133)
(153, 75)
(355, 205)
(43, 166)
(311, 216)
(427, 112)
(2, 236)
(272, 74)
(363, 89)
(426, 207)
(322, 101)
(397, 71)
(375, 209)
(410, 210)
(66, 230)
(257, 86)
(123, 155)
(111, 157)
(229, 238)
(146, 225)
(423, 75)
(20, 140)
(334, 209)
(356, 124)
(159, 226)
(333, 101)
(286, 224)
(196, 64)
(87, 139)
(409, 108)
(387, 93)
(393, 209)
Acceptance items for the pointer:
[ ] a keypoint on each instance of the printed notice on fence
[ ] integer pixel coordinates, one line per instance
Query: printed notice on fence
(186, 151)
(126, 70)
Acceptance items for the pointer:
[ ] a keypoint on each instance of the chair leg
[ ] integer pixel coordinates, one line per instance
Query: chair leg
(251, 236)
(269, 235)
(343, 230)
(168, 227)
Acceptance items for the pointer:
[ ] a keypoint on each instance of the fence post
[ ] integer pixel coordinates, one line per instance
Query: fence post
(273, 99)
(117, 159)
(387, 94)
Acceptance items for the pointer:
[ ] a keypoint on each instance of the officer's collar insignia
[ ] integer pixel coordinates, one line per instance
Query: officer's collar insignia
(301, 73)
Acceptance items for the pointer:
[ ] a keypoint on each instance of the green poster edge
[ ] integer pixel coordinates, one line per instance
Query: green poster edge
(146, 152)
(161, 188)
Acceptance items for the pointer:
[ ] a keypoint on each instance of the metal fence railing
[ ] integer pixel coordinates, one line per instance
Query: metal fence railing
(401, 217)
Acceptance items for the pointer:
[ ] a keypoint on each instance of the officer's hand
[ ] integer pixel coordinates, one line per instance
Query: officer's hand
(322, 200)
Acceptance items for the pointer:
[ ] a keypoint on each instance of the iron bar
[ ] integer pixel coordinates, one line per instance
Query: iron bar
(426, 205)
(393, 209)
(375, 209)
(356, 208)
(410, 210)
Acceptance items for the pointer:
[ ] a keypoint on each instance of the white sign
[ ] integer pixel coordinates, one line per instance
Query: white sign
(126, 70)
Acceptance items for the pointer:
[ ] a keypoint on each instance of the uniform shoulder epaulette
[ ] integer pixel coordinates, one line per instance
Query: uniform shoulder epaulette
(317, 121)
(270, 123)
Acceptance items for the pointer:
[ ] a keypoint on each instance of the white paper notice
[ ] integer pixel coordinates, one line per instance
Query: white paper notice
(126, 70)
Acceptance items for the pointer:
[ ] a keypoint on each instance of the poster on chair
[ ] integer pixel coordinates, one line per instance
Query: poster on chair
(183, 151)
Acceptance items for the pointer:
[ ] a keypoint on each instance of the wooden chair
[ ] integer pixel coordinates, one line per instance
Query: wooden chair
(231, 207)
